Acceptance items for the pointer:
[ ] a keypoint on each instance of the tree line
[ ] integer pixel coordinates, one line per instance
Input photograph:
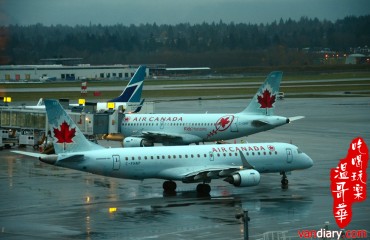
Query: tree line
(208, 44)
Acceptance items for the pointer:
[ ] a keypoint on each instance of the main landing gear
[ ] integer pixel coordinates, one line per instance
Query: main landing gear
(284, 181)
(170, 188)
(203, 189)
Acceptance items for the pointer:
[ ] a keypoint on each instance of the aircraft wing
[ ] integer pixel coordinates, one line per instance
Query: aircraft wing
(161, 136)
(157, 135)
(199, 173)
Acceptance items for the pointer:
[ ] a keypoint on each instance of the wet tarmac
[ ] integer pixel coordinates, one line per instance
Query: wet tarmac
(39, 201)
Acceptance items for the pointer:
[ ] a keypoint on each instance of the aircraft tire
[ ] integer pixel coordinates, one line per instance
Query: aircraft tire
(284, 181)
(169, 186)
(203, 188)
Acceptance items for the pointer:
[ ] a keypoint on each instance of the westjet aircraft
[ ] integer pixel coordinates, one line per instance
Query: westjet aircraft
(131, 93)
(182, 129)
(237, 164)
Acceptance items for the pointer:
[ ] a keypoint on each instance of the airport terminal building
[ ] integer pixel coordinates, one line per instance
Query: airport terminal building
(51, 72)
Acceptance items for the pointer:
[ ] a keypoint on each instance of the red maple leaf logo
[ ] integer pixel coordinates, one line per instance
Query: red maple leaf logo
(271, 148)
(64, 135)
(223, 122)
(267, 99)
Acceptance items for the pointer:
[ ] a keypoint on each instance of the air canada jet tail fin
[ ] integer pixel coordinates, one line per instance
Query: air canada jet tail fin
(133, 90)
(263, 102)
(67, 137)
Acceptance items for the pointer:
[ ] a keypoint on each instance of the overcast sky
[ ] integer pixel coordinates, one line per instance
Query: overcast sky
(108, 12)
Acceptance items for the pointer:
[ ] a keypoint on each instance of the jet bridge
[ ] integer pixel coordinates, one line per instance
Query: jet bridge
(89, 123)
(31, 124)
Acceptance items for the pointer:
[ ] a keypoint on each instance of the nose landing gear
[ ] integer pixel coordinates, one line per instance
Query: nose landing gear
(284, 181)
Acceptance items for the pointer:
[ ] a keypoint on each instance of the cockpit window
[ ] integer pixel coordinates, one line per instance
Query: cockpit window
(299, 151)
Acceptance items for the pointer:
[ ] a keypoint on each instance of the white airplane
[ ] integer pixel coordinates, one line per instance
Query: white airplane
(39, 105)
(181, 129)
(131, 93)
(238, 164)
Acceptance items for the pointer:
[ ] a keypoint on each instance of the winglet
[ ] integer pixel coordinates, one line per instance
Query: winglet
(246, 164)
(263, 102)
(133, 90)
(66, 136)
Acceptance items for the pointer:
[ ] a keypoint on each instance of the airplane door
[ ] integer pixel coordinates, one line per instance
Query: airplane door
(116, 162)
(211, 156)
(234, 125)
(289, 156)
(161, 125)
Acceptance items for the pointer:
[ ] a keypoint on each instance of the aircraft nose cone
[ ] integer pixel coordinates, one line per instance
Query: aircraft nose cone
(308, 161)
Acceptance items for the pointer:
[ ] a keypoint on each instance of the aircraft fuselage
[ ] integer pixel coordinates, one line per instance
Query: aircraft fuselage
(174, 163)
(199, 127)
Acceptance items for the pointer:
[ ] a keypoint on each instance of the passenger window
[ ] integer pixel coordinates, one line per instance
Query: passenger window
(133, 158)
(126, 158)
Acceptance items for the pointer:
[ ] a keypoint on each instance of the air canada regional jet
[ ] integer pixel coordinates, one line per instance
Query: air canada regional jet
(182, 129)
(237, 164)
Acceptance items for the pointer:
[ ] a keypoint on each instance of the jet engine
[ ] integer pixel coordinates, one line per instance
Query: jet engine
(137, 142)
(244, 178)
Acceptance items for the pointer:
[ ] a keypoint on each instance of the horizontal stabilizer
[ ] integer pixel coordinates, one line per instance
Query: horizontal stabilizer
(46, 158)
(73, 158)
(259, 123)
(291, 119)
(31, 154)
